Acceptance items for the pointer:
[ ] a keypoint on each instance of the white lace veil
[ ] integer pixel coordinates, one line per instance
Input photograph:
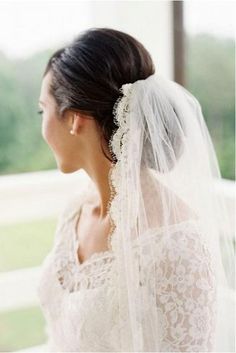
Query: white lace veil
(171, 234)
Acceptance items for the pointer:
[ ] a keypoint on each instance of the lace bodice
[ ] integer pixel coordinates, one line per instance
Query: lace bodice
(80, 302)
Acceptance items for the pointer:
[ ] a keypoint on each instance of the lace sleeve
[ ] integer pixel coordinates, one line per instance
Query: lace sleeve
(185, 294)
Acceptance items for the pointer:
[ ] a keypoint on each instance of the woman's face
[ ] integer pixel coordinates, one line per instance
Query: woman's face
(66, 148)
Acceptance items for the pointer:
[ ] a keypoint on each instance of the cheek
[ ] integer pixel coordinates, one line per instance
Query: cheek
(46, 128)
(55, 135)
(50, 130)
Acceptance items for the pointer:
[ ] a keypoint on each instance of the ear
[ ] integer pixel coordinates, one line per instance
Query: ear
(76, 122)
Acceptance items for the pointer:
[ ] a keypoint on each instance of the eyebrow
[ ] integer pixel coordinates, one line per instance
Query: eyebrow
(40, 102)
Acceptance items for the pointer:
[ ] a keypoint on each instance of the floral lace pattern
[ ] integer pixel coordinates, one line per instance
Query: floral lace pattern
(83, 314)
(184, 293)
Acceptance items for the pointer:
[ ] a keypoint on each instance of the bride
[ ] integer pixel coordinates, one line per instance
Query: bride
(137, 262)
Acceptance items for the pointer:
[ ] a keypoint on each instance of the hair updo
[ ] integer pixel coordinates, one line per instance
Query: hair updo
(87, 74)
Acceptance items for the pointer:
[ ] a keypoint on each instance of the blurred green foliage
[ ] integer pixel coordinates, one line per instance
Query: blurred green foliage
(209, 76)
(22, 148)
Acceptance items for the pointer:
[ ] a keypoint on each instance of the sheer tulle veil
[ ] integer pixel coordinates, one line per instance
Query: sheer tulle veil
(163, 198)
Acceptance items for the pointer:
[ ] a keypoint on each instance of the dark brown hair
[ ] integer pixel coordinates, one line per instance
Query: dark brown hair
(87, 74)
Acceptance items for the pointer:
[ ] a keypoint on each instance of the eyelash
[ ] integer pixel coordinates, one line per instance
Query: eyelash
(40, 112)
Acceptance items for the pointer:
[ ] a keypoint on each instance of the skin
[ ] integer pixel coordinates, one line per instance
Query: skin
(73, 152)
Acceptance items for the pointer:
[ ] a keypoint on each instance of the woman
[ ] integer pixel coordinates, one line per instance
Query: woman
(136, 263)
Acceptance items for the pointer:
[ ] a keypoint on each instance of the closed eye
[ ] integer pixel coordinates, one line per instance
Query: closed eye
(40, 112)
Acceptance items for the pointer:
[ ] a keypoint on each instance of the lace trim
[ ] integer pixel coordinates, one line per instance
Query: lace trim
(64, 258)
(115, 145)
(94, 274)
(98, 269)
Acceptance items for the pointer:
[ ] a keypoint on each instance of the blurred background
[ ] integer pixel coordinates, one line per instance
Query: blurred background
(191, 42)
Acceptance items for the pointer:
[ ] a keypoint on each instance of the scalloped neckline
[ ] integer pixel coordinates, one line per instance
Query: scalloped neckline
(76, 244)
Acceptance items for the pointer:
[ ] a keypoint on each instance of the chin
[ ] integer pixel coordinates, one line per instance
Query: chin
(65, 168)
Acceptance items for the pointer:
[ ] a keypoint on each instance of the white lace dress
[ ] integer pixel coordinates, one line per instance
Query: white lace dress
(80, 304)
